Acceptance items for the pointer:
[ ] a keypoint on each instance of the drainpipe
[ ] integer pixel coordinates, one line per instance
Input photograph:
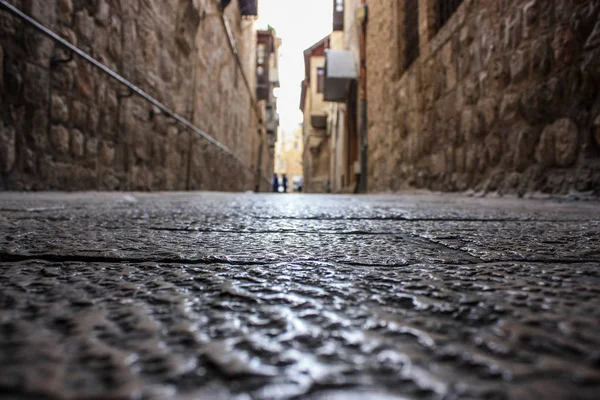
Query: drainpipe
(363, 16)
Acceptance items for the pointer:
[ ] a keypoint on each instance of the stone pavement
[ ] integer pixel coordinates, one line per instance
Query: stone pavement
(210, 295)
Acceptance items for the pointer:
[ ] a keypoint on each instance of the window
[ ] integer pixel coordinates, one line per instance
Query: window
(320, 80)
(411, 31)
(446, 9)
(338, 15)
(260, 53)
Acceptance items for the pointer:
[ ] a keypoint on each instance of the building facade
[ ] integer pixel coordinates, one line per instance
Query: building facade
(316, 143)
(490, 96)
(67, 126)
(332, 161)
(288, 157)
(267, 79)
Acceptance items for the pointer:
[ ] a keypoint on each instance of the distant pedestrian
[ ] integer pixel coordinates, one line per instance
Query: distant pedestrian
(275, 183)
(284, 183)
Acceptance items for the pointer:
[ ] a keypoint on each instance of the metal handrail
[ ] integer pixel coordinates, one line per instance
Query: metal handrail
(164, 109)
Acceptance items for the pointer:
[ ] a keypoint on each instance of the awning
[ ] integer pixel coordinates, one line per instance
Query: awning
(340, 70)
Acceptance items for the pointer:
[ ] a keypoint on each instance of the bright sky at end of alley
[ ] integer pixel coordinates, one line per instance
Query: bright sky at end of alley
(299, 24)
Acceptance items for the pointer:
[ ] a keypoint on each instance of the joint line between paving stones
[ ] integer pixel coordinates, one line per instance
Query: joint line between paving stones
(5, 258)
(404, 219)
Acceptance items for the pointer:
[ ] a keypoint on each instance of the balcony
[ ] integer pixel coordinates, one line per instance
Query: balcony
(340, 71)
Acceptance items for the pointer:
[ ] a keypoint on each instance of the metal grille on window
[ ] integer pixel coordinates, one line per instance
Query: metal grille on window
(411, 31)
(446, 10)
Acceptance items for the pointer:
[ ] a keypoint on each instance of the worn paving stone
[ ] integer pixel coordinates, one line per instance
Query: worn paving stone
(211, 295)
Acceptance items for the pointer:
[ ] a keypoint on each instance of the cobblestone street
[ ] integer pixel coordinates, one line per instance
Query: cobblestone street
(211, 295)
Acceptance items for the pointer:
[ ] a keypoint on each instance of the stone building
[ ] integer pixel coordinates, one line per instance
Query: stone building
(332, 118)
(341, 90)
(491, 96)
(288, 156)
(267, 79)
(495, 96)
(316, 156)
(67, 126)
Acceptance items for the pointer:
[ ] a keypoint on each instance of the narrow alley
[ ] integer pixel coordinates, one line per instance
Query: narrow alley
(316, 199)
(258, 296)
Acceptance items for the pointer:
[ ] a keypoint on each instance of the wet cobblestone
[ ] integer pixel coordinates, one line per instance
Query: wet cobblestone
(194, 296)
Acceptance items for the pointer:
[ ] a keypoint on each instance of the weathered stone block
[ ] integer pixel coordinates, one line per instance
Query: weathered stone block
(471, 90)
(107, 125)
(7, 148)
(65, 11)
(541, 56)
(188, 20)
(459, 159)
(63, 77)
(84, 25)
(93, 118)
(525, 139)
(9, 25)
(531, 12)
(509, 108)
(79, 114)
(114, 40)
(512, 29)
(103, 13)
(593, 40)
(542, 102)
(35, 85)
(39, 130)
(59, 136)
(519, 66)
(563, 46)
(106, 154)
(488, 109)
(28, 161)
(438, 163)
(91, 148)
(1, 67)
(566, 135)
(77, 143)
(499, 71)
(494, 148)
(44, 11)
(85, 82)
(101, 37)
(39, 47)
(597, 130)
(544, 152)
(59, 108)
(472, 158)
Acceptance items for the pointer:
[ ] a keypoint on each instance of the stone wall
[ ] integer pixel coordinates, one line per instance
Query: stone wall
(67, 126)
(503, 98)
